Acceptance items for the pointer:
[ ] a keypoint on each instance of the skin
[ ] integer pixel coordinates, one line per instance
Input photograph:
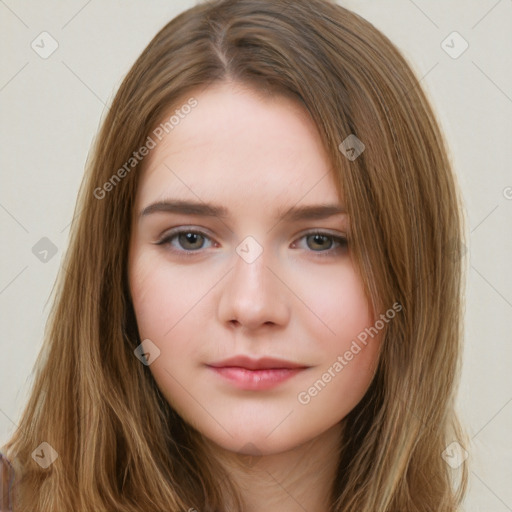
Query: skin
(301, 300)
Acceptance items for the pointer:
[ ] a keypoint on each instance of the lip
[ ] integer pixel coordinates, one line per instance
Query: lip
(264, 363)
(256, 374)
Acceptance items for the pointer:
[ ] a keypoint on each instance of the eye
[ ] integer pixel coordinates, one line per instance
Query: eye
(189, 240)
(324, 243)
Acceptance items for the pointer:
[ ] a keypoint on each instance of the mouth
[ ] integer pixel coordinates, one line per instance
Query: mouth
(256, 374)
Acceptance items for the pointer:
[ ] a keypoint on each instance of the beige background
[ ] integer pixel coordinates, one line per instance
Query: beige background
(51, 109)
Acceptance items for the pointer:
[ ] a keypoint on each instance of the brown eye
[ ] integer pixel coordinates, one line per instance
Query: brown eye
(320, 241)
(325, 243)
(188, 240)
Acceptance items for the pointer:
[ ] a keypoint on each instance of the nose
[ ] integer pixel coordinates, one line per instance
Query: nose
(254, 294)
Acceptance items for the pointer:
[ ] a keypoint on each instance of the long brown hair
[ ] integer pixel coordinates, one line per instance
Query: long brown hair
(120, 446)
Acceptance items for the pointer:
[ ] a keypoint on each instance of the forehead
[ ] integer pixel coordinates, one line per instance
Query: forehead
(237, 144)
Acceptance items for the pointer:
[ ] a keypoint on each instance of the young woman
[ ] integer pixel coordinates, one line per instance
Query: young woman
(260, 306)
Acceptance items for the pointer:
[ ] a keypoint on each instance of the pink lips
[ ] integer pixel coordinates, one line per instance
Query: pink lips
(256, 374)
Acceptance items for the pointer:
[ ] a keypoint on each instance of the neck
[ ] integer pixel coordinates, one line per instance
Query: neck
(296, 480)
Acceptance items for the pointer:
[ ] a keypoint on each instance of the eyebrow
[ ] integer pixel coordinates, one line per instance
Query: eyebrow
(293, 214)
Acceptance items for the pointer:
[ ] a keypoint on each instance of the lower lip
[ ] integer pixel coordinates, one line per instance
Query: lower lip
(256, 379)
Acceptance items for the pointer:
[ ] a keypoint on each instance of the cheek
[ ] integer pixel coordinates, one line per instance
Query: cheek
(348, 344)
(163, 303)
(171, 307)
(162, 297)
(340, 306)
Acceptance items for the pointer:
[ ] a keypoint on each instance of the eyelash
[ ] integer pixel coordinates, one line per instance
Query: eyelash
(167, 238)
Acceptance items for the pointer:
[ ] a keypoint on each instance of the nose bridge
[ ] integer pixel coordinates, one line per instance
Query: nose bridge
(250, 268)
(253, 295)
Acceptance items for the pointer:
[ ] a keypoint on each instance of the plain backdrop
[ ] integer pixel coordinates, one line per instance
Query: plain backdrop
(52, 107)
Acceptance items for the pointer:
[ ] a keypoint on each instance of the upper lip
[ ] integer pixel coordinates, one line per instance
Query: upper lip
(263, 363)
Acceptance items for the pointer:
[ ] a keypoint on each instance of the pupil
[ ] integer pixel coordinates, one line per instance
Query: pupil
(191, 237)
(319, 239)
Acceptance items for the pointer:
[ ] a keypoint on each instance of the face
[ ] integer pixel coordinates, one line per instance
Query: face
(243, 287)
